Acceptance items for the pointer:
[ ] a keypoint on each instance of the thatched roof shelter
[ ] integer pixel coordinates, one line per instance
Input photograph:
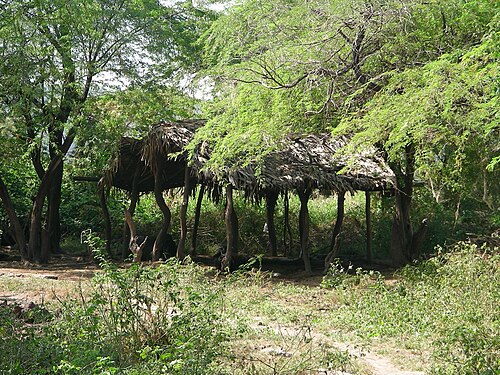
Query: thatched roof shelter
(309, 161)
(301, 163)
(137, 157)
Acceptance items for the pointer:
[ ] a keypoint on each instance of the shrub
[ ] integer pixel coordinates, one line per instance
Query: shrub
(169, 319)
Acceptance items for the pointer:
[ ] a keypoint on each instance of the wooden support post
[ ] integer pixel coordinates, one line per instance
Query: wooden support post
(160, 201)
(183, 213)
(134, 198)
(231, 230)
(134, 247)
(287, 229)
(271, 199)
(304, 196)
(335, 243)
(196, 223)
(107, 219)
(368, 215)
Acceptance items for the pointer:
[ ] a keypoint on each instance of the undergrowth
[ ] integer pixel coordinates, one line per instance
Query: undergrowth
(447, 304)
(164, 320)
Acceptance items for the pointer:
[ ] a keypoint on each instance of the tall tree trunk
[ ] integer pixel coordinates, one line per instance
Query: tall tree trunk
(231, 221)
(271, 199)
(304, 228)
(183, 213)
(335, 242)
(14, 220)
(402, 230)
(35, 239)
(196, 224)
(53, 213)
(167, 215)
(405, 244)
(105, 213)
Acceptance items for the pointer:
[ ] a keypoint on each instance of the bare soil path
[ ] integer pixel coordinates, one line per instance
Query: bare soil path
(374, 363)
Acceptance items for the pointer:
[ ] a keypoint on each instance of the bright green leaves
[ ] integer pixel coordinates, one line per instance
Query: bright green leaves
(293, 66)
(448, 109)
(251, 122)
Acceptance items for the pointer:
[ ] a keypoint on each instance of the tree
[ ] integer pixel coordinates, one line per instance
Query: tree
(299, 66)
(438, 122)
(55, 54)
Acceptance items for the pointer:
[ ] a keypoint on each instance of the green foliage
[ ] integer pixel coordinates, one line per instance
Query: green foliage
(447, 109)
(339, 276)
(160, 320)
(58, 57)
(447, 302)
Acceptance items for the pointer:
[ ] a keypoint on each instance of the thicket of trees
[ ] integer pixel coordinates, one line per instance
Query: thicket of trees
(416, 79)
(55, 56)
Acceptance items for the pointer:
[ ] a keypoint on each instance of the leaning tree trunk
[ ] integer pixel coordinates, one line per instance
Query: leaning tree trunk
(14, 220)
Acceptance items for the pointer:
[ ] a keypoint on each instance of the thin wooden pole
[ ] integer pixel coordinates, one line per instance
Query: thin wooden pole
(196, 224)
(183, 213)
(271, 199)
(287, 229)
(167, 216)
(368, 215)
(335, 243)
(134, 198)
(231, 229)
(304, 228)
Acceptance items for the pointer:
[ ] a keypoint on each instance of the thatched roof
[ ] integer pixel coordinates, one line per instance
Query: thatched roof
(123, 166)
(308, 161)
(166, 140)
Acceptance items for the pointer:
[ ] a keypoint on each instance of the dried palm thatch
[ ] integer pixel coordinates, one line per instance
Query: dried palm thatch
(138, 158)
(168, 140)
(126, 164)
(303, 162)
(309, 161)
